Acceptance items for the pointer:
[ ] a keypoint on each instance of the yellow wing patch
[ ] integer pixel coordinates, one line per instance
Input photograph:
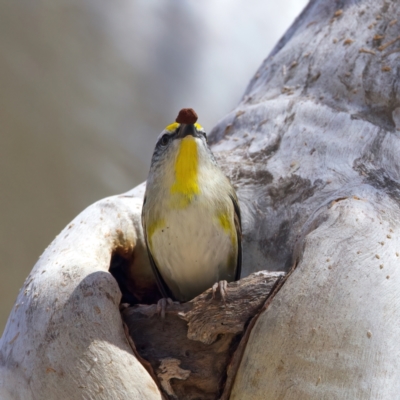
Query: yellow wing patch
(198, 126)
(227, 226)
(153, 227)
(186, 179)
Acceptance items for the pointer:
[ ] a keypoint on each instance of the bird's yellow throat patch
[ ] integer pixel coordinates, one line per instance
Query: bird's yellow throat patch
(186, 177)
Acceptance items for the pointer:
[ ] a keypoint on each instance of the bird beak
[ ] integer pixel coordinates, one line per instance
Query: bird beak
(185, 130)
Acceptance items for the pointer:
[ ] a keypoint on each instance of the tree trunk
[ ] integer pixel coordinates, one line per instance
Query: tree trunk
(319, 185)
(312, 150)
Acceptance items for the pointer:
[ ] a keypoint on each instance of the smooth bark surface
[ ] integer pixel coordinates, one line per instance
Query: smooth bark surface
(64, 338)
(319, 186)
(312, 150)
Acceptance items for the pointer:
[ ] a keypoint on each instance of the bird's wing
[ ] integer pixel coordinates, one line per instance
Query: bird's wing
(238, 226)
(162, 286)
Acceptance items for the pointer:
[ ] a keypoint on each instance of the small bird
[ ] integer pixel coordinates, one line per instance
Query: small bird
(191, 216)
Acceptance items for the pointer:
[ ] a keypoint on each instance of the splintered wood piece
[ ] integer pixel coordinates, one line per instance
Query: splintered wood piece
(208, 319)
(169, 369)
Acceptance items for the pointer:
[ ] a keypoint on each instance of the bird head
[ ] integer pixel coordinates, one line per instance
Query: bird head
(181, 145)
(181, 158)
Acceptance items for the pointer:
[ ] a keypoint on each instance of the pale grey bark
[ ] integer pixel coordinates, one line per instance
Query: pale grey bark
(64, 338)
(312, 150)
(319, 185)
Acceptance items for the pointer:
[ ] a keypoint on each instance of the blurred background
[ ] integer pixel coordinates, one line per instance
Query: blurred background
(87, 85)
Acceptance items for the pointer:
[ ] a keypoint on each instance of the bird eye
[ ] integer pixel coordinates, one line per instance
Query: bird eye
(165, 139)
(205, 135)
